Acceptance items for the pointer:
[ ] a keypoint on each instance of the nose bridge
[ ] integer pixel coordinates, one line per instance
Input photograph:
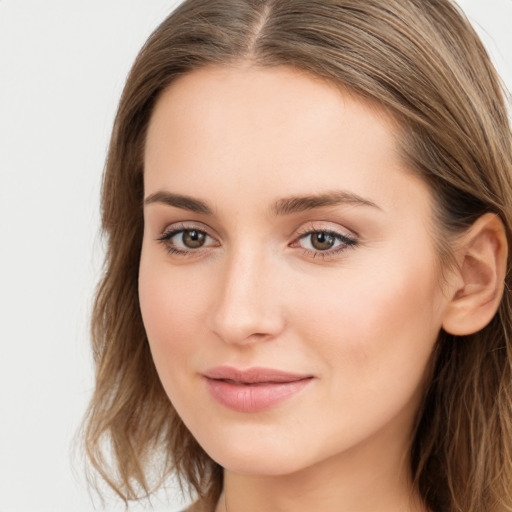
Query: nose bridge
(245, 309)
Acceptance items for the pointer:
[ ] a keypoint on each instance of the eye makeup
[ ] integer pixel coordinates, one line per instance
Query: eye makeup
(186, 239)
(323, 242)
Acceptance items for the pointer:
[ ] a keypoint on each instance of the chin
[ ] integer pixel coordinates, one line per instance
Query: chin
(255, 451)
(260, 464)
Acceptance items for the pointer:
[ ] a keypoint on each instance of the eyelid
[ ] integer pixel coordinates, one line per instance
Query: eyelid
(327, 227)
(186, 226)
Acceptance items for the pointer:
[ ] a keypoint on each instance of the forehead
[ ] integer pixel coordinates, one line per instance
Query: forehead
(263, 129)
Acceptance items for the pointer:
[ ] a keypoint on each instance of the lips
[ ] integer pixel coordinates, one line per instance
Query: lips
(253, 389)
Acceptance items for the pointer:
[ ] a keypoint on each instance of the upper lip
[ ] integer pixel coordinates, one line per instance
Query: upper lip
(254, 375)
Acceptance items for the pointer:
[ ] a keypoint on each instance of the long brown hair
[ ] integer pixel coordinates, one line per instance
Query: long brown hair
(419, 60)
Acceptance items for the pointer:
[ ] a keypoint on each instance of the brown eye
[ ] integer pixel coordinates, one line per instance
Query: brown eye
(322, 241)
(327, 242)
(193, 239)
(187, 241)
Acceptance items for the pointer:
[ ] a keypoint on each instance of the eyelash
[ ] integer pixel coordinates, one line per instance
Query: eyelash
(171, 233)
(346, 242)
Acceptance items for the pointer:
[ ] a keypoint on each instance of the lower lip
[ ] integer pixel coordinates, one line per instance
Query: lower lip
(254, 397)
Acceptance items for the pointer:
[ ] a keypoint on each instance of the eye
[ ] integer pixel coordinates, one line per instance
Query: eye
(324, 242)
(186, 240)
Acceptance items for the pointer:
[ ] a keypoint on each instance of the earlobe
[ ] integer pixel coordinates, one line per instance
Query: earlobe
(479, 281)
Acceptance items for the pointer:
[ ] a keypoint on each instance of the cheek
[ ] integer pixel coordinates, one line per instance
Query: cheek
(373, 327)
(170, 306)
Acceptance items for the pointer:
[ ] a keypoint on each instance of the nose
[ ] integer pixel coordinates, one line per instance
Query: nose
(247, 307)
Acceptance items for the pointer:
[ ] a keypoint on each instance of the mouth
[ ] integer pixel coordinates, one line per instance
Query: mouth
(254, 389)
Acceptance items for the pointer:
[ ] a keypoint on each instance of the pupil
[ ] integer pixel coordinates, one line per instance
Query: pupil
(322, 241)
(193, 239)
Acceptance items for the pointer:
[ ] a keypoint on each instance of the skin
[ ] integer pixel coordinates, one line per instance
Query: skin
(362, 321)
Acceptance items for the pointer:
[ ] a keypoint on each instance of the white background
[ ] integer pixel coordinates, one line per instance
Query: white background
(62, 68)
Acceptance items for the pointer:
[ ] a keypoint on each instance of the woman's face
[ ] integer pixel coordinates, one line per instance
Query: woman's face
(289, 284)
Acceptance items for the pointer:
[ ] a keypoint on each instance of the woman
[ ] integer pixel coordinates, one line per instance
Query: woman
(306, 302)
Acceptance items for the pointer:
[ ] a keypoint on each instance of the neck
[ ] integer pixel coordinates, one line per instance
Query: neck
(298, 493)
(364, 479)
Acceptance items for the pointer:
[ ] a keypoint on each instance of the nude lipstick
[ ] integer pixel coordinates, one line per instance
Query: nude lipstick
(253, 389)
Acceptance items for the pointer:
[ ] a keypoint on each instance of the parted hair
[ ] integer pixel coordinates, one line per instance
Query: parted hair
(421, 61)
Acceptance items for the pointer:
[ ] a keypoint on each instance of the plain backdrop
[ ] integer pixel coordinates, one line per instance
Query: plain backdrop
(62, 69)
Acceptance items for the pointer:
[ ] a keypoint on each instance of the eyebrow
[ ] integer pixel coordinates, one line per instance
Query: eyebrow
(179, 201)
(296, 204)
(284, 206)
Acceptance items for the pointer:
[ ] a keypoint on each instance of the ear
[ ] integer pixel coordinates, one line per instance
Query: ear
(477, 286)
